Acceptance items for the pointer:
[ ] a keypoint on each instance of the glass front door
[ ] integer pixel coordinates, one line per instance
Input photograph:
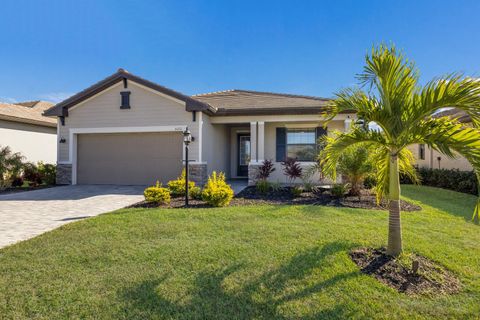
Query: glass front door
(243, 154)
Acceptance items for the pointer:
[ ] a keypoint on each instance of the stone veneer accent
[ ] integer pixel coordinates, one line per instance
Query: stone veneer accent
(252, 173)
(64, 174)
(198, 173)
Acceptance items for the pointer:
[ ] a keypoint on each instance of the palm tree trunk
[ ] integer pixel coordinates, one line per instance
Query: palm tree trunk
(394, 247)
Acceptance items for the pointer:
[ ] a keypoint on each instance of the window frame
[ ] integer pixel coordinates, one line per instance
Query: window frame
(421, 151)
(314, 144)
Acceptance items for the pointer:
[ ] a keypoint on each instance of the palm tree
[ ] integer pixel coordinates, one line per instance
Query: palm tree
(10, 165)
(403, 110)
(354, 164)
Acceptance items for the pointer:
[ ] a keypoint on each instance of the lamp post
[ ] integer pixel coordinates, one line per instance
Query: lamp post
(187, 138)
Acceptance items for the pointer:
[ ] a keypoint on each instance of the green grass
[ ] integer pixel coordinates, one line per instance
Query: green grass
(263, 262)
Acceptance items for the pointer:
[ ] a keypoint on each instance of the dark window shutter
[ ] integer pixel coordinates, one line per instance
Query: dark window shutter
(125, 100)
(281, 144)
(320, 132)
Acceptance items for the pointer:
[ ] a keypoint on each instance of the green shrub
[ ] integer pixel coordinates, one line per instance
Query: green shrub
(177, 187)
(10, 166)
(275, 186)
(354, 165)
(339, 190)
(370, 181)
(217, 192)
(452, 179)
(263, 186)
(296, 191)
(31, 174)
(195, 193)
(307, 186)
(48, 172)
(157, 194)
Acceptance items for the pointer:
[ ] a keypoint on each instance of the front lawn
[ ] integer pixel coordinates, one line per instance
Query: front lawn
(259, 262)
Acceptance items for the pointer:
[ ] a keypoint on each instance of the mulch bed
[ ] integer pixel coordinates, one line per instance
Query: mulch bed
(429, 279)
(250, 196)
(284, 196)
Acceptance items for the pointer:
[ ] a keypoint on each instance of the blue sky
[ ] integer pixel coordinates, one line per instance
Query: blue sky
(52, 49)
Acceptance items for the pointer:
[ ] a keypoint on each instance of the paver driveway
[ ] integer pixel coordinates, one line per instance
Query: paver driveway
(27, 214)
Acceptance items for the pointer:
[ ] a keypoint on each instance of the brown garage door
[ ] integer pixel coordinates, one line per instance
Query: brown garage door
(128, 158)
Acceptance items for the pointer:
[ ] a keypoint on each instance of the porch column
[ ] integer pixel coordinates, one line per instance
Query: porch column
(253, 142)
(348, 123)
(260, 141)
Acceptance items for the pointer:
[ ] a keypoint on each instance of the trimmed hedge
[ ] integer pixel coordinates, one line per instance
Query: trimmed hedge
(452, 179)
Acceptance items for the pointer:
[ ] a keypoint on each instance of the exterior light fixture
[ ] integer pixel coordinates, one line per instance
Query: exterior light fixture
(187, 138)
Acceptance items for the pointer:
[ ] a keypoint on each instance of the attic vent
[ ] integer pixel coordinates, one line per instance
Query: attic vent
(125, 100)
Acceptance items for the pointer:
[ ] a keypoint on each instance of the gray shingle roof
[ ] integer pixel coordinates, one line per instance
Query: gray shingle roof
(27, 112)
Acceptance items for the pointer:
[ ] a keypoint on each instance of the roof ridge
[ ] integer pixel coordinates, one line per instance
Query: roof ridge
(284, 94)
(213, 92)
(263, 92)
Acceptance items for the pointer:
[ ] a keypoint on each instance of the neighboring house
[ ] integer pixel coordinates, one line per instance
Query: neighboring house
(429, 158)
(127, 130)
(24, 129)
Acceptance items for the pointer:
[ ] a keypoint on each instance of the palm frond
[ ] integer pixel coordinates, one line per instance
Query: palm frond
(336, 145)
(453, 90)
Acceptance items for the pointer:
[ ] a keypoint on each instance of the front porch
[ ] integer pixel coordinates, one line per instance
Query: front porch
(248, 143)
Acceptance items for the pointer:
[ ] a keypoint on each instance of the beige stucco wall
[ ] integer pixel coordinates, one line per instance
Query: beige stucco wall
(215, 146)
(431, 160)
(35, 143)
(148, 108)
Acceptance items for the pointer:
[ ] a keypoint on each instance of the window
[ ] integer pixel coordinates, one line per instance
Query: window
(125, 100)
(301, 144)
(421, 151)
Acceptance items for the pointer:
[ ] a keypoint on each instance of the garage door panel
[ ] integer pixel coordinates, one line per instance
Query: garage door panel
(129, 158)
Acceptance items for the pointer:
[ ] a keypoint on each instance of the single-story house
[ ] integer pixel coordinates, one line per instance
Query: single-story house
(128, 130)
(427, 157)
(24, 129)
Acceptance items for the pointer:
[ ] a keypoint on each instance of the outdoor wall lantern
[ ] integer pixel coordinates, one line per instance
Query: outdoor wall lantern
(63, 140)
(187, 138)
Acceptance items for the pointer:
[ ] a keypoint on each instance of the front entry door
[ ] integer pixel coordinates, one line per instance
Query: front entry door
(243, 155)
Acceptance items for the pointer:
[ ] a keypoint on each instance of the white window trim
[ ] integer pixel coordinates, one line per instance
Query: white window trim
(74, 132)
(307, 144)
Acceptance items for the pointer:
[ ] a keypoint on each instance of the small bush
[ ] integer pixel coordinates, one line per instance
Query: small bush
(17, 182)
(339, 190)
(217, 192)
(370, 182)
(195, 193)
(31, 174)
(263, 186)
(296, 191)
(157, 194)
(47, 172)
(307, 186)
(264, 171)
(177, 187)
(292, 169)
(275, 186)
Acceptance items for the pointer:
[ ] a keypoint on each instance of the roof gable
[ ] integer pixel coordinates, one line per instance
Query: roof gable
(61, 109)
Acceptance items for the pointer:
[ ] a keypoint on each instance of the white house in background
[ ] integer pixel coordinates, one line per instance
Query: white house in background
(24, 129)
(128, 130)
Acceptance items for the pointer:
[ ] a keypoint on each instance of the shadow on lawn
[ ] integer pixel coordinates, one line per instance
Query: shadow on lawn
(259, 298)
(458, 204)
